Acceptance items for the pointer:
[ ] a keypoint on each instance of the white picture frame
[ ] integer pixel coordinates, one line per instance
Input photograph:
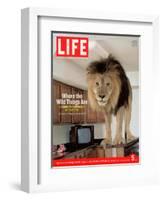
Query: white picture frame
(36, 172)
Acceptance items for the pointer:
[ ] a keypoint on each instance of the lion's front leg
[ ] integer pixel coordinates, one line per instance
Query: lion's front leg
(107, 140)
(118, 139)
(108, 133)
(119, 122)
(130, 136)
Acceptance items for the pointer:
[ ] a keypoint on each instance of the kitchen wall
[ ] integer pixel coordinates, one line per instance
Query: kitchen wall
(61, 134)
(68, 72)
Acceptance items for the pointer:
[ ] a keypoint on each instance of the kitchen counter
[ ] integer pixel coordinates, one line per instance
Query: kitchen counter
(80, 153)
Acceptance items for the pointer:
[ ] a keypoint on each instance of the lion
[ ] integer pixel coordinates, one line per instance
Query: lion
(109, 91)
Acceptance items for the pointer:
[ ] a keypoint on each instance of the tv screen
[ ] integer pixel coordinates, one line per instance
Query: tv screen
(84, 135)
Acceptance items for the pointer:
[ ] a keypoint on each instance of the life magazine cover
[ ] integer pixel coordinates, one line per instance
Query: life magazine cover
(94, 99)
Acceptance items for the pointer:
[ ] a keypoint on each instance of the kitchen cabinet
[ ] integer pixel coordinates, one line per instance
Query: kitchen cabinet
(79, 110)
(91, 115)
(56, 94)
(79, 114)
(100, 117)
(88, 152)
(64, 109)
(94, 116)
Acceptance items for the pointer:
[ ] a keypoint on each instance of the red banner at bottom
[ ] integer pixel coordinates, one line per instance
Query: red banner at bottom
(95, 161)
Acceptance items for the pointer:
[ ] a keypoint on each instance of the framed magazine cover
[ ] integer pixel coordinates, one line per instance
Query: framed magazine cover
(88, 119)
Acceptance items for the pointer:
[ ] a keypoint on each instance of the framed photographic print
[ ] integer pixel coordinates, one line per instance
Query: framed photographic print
(88, 115)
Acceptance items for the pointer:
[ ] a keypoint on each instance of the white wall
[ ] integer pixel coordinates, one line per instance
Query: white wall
(67, 72)
(135, 116)
(61, 134)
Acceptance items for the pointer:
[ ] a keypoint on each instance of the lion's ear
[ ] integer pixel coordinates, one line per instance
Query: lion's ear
(111, 63)
(110, 57)
(91, 68)
(114, 66)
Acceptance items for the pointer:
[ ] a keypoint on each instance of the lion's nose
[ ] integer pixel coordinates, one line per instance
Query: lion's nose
(101, 96)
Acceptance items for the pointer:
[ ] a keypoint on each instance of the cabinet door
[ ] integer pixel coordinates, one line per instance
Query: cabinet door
(72, 156)
(65, 109)
(91, 153)
(56, 94)
(78, 111)
(85, 106)
(94, 116)
(91, 115)
(100, 117)
(80, 155)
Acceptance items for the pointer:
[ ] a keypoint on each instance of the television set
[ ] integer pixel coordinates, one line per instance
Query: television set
(81, 136)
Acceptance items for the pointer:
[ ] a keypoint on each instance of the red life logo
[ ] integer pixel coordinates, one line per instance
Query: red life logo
(71, 46)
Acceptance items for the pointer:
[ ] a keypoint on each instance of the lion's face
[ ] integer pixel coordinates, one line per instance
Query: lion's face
(106, 78)
(102, 88)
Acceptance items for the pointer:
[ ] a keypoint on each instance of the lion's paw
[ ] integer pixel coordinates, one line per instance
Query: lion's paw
(118, 140)
(106, 142)
(130, 138)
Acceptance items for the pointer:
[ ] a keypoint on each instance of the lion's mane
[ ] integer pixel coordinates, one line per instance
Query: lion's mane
(121, 86)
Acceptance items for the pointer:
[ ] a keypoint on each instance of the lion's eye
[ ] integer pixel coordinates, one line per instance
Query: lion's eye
(107, 84)
(97, 83)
